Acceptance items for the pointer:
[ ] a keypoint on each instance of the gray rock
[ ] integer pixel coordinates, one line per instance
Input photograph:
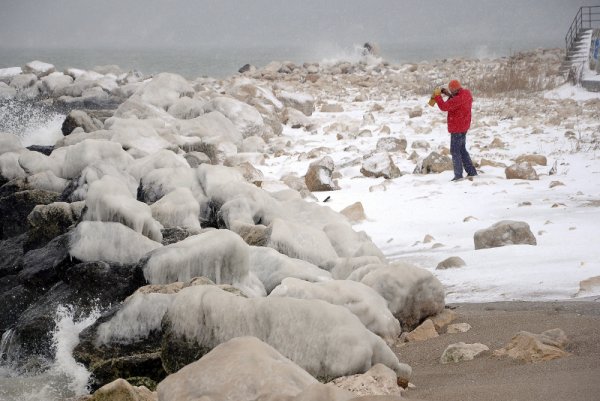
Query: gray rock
(451, 262)
(436, 163)
(506, 232)
(462, 352)
(391, 144)
(15, 208)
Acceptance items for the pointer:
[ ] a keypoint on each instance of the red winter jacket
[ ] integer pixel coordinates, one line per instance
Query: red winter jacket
(459, 110)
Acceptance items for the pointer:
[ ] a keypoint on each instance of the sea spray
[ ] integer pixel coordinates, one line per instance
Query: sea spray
(33, 122)
(64, 378)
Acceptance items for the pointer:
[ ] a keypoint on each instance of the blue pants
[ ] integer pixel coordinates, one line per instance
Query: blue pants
(460, 156)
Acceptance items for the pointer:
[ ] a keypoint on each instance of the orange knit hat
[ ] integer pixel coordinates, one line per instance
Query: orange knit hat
(454, 85)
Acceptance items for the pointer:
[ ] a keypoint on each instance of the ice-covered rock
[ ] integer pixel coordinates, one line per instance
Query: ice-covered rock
(38, 68)
(186, 108)
(160, 181)
(349, 243)
(296, 119)
(9, 143)
(6, 74)
(7, 92)
(23, 81)
(212, 124)
(78, 118)
(36, 162)
(245, 117)
(85, 153)
(164, 90)
(108, 199)
(178, 208)
(413, 293)
(54, 83)
(158, 160)
(271, 267)
(47, 181)
(220, 255)
(10, 168)
(209, 378)
(344, 267)
(370, 307)
(503, 233)
(139, 134)
(95, 240)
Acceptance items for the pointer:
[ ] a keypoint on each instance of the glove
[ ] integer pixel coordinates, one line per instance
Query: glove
(437, 92)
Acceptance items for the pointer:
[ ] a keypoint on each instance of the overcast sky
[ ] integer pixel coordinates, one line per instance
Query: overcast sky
(252, 23)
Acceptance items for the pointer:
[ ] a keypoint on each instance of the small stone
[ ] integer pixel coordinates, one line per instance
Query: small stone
(458, 328)
(451, 262)
(462, 352)
(443, 318)
(428, 238)
(556, 184)
(526, 203)
(423, 332)
(469, 218)
(354, 212)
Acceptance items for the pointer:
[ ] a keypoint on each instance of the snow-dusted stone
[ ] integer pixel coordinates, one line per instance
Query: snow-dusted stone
(78, 118)
(55, 83)
(451, 262)
(186, 108)
(253, 144)
(250, 173)
(415, 112)
(9, 143)
(458, 328)
(295, 119)
(413, 293)
(236, 360)
(379, 380)
(589, 285)
(530, 347)
(7, 74)
(345, 266)
(459, 352)
(271, 267)
(220, 255)
(534, 160)
(370, 307)
(7, 92)
(121, 390)
(420, 144)
(319, 175)
(502, 233)
(164, 90)
(332, 108)
(521, 171)
(391, 144)
(139, 134)
(108, 199)
(179, 208)
(134, 107)
(380, 165)
(245, 117)
(355, 212)
(195, 159)
(110, 242)
(302, 241)
(326, 340)
(299, 101)
(38, 68)
(436, 163)
(210, 125)
(486, 162)
(89, 151)
(21, 82)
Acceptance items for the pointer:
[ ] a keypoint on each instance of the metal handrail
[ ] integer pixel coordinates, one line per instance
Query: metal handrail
(585, 18)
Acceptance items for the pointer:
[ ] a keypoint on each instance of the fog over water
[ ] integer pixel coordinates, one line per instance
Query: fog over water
(292, 30)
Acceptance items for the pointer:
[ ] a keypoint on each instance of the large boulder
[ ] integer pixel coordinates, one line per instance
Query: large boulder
(49, 221)
(319, 175)
(15, 208)
(530, 347)
(299, 101)
(436, 163)
(55, 83)
(236, 360)
(505, 232)
(245, 117)
(38, 68)
(521, 171)
(391, 144)
(79, 118)
(413, 293)
(380, 165)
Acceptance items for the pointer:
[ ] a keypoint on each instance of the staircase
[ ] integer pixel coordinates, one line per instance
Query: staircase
(578, 41)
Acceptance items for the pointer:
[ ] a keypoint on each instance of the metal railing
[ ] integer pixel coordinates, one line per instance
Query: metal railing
(587, 17)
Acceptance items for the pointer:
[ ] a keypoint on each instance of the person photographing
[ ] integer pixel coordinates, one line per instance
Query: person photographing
(458, 107)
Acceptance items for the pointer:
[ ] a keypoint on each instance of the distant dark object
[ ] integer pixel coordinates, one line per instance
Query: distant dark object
(326, 199)
(245, 68)
(370, 49)
(42, 149)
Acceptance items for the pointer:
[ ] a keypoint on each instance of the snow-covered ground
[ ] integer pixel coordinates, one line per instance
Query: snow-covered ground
(565, 219)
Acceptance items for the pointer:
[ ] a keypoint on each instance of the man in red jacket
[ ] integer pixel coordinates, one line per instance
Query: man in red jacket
(458, 107)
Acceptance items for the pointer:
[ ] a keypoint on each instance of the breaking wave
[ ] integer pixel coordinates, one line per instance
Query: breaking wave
(32, 122)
